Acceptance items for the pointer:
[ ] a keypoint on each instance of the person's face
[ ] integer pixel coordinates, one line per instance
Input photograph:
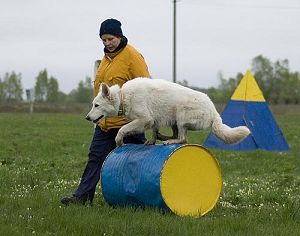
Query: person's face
(110, 42)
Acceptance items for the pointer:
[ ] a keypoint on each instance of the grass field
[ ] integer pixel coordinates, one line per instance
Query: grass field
(42, 157)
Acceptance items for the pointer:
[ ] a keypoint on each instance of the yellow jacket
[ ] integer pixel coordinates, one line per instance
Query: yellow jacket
(117, 68)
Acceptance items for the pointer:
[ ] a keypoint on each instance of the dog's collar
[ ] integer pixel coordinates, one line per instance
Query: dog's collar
(121, 111)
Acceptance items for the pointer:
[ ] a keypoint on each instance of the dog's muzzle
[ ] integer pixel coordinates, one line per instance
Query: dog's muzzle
(88, 118)
(94, 121)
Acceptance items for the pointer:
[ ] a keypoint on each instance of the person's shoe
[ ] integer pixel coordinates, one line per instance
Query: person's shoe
(73, 200)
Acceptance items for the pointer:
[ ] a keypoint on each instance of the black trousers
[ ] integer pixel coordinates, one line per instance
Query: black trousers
(102, 144)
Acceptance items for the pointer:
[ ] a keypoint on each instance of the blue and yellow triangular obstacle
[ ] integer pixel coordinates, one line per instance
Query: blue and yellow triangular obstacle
(185, 179)
(248, 106)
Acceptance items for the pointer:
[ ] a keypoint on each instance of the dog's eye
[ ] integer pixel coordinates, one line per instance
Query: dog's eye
(96, 105)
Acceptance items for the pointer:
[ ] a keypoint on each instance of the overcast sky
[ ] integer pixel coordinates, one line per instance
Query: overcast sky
(212, 36)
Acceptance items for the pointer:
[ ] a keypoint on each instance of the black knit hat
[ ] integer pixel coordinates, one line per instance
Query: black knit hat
(111, 26)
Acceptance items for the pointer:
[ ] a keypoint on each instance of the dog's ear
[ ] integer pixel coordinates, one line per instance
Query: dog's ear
(104, 89)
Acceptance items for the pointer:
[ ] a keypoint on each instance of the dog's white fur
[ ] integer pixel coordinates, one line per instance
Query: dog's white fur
(153, 103)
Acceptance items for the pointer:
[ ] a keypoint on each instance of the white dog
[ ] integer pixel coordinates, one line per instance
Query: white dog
(153, 103)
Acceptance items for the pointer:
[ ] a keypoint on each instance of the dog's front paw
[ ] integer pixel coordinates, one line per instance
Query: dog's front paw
(166, 142)
(174, 141)
(150, 142)
(119, 141)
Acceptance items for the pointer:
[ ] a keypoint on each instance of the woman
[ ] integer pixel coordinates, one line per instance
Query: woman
(121, 63)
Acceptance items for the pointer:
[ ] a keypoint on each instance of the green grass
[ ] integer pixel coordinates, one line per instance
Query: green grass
(42, 157)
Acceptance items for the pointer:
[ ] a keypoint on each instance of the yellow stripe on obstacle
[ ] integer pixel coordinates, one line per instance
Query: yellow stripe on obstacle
(191, 181)
(248, 90)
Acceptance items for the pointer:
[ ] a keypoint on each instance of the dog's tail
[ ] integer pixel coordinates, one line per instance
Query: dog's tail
(227, 134)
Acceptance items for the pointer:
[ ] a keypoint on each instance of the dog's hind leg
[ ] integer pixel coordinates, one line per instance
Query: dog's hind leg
(153, 139)
(162, 137)
(181, 136)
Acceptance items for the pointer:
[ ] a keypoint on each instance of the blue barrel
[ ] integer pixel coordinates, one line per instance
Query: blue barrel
(185, 179)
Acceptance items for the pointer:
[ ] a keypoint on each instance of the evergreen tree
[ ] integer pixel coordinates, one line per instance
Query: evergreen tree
(2, 94)
(263, 72)
(52, 90)
(12, 87)
(41, 86)
(278, 84)
(290, 91)
(62, 97)
(84, 92)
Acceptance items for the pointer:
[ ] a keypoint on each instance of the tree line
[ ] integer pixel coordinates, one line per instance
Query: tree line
(46, 89)
(278, 84)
